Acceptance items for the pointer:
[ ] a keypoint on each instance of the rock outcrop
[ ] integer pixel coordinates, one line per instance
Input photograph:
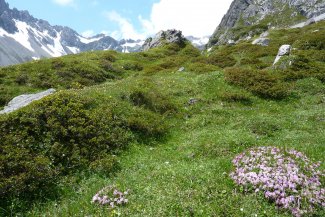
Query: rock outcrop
(263, 40)
(163, 37)
(24, 100)
(244, 13)
(283, 51)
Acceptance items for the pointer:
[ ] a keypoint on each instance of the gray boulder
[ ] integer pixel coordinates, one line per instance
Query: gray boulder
(24, 100)
(163, 37)
(310, 21)
(262, 41)
(283, 51)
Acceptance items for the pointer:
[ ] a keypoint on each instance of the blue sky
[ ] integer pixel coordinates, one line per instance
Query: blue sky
(129, 18)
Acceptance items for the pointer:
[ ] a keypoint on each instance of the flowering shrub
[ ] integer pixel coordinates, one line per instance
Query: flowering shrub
(110, 196)
(286, 177)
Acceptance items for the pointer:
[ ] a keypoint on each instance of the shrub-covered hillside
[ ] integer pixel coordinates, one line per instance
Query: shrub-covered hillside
(135, 122)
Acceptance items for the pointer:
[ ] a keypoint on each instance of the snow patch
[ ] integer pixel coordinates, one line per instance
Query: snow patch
(55, 50)
(22, 36)
(74, 50)
(134, 44)
(88, 40)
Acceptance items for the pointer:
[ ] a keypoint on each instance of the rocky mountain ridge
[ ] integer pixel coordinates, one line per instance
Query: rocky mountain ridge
(24, 38)
(162, 37)
(246, 18)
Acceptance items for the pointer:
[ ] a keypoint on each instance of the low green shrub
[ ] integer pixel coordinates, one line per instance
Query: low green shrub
(302, 67)
(168, 63)
(313, 40)
(146, 123)
(222, 60)
(259, 82)
(109, 56)
(133, 66)
(201, 67)
(104, 164)
(61, 134)
(68, 132)
(190, 51)
(152, 69)
(5, 97)
(23, 171)
(239, 97)
(153, 100)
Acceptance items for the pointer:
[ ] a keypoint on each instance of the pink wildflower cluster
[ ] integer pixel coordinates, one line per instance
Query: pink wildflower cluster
(110, 196)
(286, 177)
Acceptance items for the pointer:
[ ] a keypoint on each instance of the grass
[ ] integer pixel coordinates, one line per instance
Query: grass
(186, 171)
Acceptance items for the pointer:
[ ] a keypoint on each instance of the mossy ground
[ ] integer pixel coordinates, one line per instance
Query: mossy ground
(186, 171)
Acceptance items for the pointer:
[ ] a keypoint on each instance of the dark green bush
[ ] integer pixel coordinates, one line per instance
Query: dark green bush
(259, 82)
(190, 51)
(303, 66)
(62, 133)
(201, 67)
(134, 66)
(152, 69)
(22, 79)
(152, 100)
(314, 41)
(146, 124)
(104, 164)
(24, 171)
(58, 63)
(5, 97)
(236, 97)
(67, 132)
(109, 56)
(168, 63)
(222, 60)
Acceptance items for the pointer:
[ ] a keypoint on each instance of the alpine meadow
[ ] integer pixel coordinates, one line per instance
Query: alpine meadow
(170, 128)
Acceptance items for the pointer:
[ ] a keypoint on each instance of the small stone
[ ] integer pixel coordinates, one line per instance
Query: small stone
(192, 101)
(264, 34)
(231, 42)
(182, 69)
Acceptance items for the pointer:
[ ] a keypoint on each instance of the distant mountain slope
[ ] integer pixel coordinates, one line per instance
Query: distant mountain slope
(24, 38)
(245, 18)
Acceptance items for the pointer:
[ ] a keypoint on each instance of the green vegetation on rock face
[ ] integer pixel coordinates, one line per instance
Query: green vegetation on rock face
(136, 122)
(247, 19)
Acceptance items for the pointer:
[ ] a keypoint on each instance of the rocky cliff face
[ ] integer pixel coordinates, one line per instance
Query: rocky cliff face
(163, 37)
(263, 14)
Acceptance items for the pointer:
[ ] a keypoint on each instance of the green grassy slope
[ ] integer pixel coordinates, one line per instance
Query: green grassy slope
(147, 134)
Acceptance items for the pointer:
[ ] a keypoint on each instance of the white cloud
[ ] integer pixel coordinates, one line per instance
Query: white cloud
(126, 29)
(88, 33)
(64, 2)
(195, 17)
